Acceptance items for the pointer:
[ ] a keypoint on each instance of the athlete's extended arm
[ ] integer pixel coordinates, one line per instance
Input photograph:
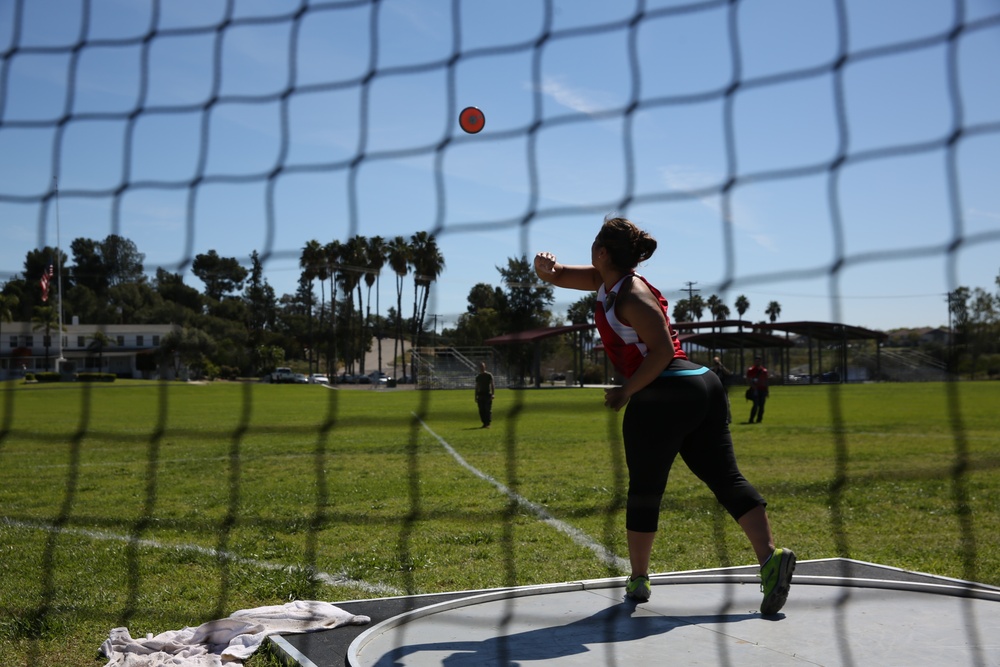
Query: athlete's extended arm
(573, 277)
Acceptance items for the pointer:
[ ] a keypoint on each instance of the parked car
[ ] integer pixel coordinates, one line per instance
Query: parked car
(378, 377)
(318, 378)
(282, 375)
(299, 378)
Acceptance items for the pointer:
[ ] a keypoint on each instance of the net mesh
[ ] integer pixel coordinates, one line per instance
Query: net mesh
(202, 107)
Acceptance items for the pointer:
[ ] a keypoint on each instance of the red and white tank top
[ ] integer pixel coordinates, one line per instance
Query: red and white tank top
(621, 342)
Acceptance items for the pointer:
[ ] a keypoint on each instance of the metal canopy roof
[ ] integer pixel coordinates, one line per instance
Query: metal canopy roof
(534, 335)
(749, 335)
(825, 330)
(734, 340)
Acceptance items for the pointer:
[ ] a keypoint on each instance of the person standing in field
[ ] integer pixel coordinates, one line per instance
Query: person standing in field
(674, 407)
(484, 394)
(758, 392)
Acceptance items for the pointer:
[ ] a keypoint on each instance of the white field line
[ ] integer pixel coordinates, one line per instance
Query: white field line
(323, 577)
(158, 461)
(574, 533)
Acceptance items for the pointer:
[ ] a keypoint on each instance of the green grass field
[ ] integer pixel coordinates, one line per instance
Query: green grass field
(159, 506)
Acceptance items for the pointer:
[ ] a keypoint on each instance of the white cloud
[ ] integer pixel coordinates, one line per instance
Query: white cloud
(684, 178)
(578, 99)
(977, 213)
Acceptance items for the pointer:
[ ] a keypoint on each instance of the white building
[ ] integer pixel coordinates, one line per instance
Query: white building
(131, 351)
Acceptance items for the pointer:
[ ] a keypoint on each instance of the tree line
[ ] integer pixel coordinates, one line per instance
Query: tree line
(237, 326)
(974, 321)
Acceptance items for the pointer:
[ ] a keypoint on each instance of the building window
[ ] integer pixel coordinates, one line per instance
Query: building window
(13, 341)
(29, 341)
(120, 341)
(138, 341)
(156, 341)
(81, 341)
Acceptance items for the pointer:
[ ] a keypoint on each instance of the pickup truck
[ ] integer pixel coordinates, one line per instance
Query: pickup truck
(282, 376)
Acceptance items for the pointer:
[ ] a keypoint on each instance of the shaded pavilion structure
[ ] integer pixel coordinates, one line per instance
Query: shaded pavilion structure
(534, 337)
(740, 336)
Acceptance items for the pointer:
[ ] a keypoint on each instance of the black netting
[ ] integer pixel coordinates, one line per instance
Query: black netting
(48, 138)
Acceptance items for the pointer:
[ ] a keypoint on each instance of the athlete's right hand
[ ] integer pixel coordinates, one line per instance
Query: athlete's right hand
(545, 264)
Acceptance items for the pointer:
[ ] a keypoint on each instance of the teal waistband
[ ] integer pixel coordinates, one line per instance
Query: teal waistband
(685, 371)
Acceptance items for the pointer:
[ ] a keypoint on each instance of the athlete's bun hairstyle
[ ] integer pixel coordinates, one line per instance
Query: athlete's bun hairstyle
(627, 245)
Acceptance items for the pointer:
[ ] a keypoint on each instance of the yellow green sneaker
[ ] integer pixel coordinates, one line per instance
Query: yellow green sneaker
(638, 588)
(775, 580)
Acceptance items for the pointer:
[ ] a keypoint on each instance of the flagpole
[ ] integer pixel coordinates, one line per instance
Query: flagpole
(61, 359)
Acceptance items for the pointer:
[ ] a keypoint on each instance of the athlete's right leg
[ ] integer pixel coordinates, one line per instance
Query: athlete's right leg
(652, 429)
(708, 452)
(757, 527)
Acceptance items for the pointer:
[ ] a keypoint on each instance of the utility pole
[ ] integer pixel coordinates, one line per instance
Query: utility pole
(690, 289)
(61, 360)
(951, 335)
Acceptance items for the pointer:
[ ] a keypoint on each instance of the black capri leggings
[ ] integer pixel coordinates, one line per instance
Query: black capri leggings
(683, 415)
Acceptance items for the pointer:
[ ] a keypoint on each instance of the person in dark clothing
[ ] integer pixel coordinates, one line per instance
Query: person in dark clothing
(673, 407)
(484, 395)
(758, 392)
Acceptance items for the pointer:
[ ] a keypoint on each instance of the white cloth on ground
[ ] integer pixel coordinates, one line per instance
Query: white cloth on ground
(228, 641)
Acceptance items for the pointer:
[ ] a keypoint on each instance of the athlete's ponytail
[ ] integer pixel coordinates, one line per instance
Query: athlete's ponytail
(627, 245)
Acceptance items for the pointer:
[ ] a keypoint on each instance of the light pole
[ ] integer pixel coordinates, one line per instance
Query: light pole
(434, 327)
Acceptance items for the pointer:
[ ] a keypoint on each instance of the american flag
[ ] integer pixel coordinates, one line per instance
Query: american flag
(46, 277)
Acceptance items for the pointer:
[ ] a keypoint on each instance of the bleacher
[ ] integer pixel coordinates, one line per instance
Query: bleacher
(911, 365)
(455, 367)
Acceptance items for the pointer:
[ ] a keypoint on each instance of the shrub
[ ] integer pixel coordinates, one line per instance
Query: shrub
(210, 370)
(592, 374)
(95, 377)
(47, 376)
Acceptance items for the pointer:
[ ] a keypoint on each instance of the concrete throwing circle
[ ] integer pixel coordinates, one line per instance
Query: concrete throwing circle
(692, 622)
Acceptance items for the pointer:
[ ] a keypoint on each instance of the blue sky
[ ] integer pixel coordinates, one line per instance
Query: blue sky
(888, 211)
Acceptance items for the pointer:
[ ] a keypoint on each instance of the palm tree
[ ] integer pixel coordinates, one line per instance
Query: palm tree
(773, 310)
(398, 253)
(332, 253)
(313, 264)
(7, 305)
(376, 256)
(742, 306)
(46, 318)
(427, 266)
(696, 306)
(353, 260)
(718, 308)
(681, 312)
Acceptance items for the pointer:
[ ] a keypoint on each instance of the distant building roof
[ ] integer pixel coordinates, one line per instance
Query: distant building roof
(824, 330)
(535, 334)
(721, 340)
(748, 334)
